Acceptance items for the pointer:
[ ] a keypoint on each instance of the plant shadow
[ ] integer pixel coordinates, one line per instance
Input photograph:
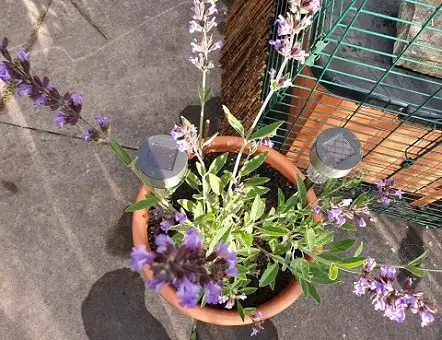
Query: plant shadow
(114, 309)
(212, 112)
(211, 332)
(119, 238)
(411, 247)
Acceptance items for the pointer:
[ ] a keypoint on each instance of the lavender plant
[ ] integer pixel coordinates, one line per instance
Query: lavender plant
(210, 243)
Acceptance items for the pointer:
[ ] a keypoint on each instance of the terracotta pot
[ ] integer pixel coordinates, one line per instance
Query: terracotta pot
(216, 316)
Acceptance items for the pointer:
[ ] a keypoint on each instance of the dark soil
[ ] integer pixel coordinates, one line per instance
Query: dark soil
(283, 279)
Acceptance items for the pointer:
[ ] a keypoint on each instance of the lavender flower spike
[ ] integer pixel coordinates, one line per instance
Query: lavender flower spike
(22, 55)
(140, 257)
(5, 73)
(103, 122)
(188, 292)
(427, 318)
(193, 240)
(388, 273)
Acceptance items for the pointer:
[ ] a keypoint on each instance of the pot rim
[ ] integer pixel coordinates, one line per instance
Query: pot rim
(207, 314)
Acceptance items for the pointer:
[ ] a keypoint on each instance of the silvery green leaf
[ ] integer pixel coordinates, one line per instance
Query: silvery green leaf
(234, 123)
(266, 131)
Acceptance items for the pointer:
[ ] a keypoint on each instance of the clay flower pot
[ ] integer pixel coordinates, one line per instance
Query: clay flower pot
(216, 316)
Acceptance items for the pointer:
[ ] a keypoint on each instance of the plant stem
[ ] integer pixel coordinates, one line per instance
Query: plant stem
(203, 104)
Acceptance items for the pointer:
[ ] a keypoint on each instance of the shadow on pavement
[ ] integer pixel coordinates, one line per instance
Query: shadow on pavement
(210, 332)
(411, 247)
(213, 112)
(119, 239)
(114, 309)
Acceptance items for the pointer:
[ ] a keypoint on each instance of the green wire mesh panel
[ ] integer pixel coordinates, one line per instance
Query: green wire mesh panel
(376, 68)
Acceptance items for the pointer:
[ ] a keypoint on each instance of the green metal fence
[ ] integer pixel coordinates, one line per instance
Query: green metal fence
(376, 68)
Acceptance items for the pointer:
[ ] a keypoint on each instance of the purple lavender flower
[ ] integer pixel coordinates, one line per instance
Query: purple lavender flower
(379, 303)
(194, 26)
(188, 292)
(388, 273)
(340, 221)
(103, 122)
(317, 210)
(333, 214)
(22, 55)
(390, 182)
(164, 243)
(165, 225)
(257, 325)
(62, 119)
(284, 28)
(361, 222)
(303, 24)
(398, 194)
(311, 5)
(5, 73)
(370, 265)
(381, 288)
(24, 90)
(41, 100)
(180, 218)
(77, 98)
(193, 240)
(213, 293)
(427, 318)
(298, 53)
(361, 286)
(385, 200)
(140, 257)
(186, 137)
(216, 46)
(157, 284)
(380, 186)
(91, 135)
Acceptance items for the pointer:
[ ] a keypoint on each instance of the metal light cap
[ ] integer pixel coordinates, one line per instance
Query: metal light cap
(336, 152)
(160, 161)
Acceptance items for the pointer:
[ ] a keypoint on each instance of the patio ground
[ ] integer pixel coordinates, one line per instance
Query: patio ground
(65, 239)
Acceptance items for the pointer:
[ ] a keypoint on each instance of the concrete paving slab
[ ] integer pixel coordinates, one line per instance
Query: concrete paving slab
(64, 270)
(141, 78)
(19, 18)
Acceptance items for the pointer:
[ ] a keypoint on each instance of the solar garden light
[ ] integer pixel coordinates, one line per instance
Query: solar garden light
(334, 154)
(161, 163)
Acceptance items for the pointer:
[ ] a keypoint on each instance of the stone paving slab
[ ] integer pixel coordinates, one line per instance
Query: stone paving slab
(141, 77)
(66, 244)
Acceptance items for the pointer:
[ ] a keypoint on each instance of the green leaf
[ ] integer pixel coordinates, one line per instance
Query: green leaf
(324, 238)
(266, 131)
(270, 229)
(342, 245)
(253, 164)
(248, 290)
(310, 237)
(218, 163)
(120, 152)
(360, 201)
(257, 180)
(418, 272)
(210, 139)
(257, 209)
(359, 249)
(192, 180)
(310, 290)
(352, 262)
(225, 178)
(219, 235)
(215, 183)
(302, 191)
(187, 204)
(234, 123)
(246, 237)
(281, 198)
(205, 93)
(269, 274)
(241, 311)
(198, 210)
(333, 272)
(330, 257)
(321, 277)
(200, 169)
(147, 203)
(418, 260)
(329, 186)
(348, 226)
